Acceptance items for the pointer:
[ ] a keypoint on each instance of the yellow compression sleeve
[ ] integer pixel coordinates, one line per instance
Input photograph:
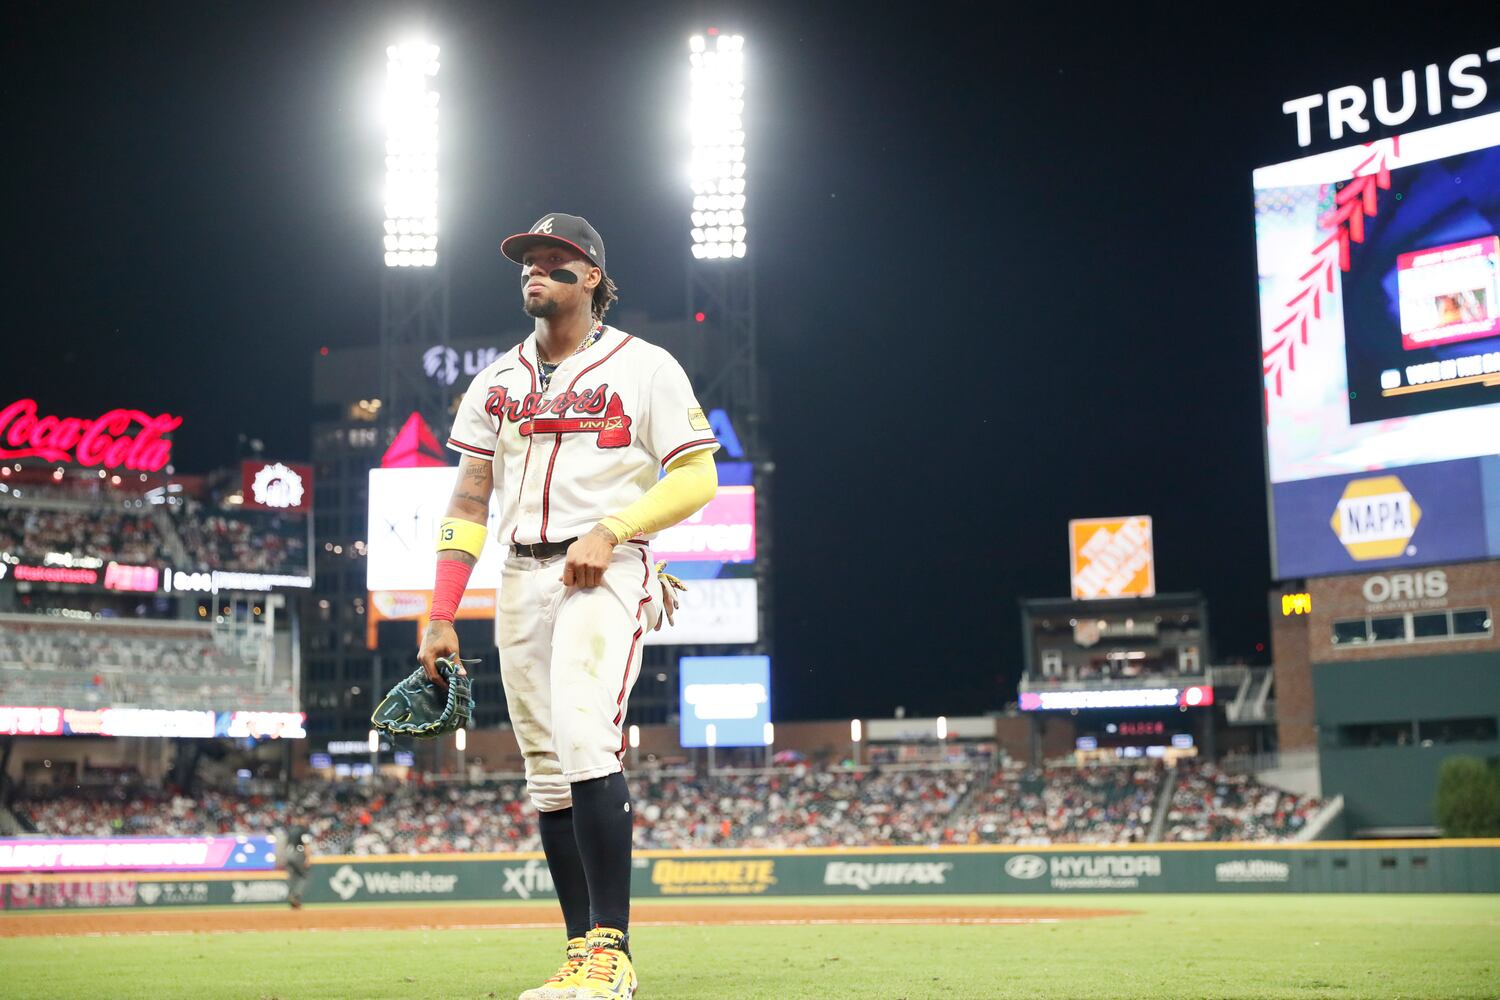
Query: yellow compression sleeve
(690, 483)
(465, 536)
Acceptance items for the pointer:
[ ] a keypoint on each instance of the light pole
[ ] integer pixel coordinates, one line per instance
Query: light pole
(711, 737)
(768, 731)
(635, 746)
(856, 733)
(461, 743)
(374, 745)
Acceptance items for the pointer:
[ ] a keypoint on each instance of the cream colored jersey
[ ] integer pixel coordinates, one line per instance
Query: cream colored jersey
(592, 443)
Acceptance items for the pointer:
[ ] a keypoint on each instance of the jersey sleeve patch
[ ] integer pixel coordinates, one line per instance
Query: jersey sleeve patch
(696, 420)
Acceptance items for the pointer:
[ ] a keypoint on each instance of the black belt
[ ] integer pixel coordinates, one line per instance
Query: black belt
(542, 550)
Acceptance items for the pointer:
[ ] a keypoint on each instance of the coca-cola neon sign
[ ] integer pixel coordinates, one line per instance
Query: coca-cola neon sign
(103, 442)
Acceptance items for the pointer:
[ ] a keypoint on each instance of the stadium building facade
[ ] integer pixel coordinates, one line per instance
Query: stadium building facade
(1384, 675)
(1131, 675)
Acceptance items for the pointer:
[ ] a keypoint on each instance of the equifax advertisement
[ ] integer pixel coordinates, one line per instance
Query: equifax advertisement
(1379, 275)
(62, 854)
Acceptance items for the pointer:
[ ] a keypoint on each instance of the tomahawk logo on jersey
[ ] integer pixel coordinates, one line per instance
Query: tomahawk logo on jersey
(591, 443)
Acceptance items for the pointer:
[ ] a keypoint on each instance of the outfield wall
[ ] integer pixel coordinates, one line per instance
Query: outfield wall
(1352, 866)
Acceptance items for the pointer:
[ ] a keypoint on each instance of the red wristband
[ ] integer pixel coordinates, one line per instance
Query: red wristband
(452, 578)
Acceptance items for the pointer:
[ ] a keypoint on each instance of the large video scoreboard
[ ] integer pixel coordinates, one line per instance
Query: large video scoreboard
(1379, 277)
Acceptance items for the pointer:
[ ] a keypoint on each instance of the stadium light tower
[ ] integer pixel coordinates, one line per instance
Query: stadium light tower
(720, 278)
(414, 288)
(411, 170)
(717, 73)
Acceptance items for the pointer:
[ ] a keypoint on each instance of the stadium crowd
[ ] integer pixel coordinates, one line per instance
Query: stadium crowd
(30, 534)
(242, 542)
(1064, 805)
(797, 807)
(802, 808)
(1208, 804)
(53, 661)
(122, 528)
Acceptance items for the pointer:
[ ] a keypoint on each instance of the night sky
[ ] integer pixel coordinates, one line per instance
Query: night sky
(1005, 267)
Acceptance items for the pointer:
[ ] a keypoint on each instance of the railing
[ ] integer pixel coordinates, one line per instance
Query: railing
(108, 624)
(1163, 804)
(1152, 680)
(1251, 702)
(1320, 820)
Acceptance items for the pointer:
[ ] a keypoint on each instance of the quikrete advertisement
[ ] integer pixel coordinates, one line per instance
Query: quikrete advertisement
(738, 877)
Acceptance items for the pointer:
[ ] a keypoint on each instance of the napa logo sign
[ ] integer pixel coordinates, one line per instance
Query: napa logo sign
(1376, 518)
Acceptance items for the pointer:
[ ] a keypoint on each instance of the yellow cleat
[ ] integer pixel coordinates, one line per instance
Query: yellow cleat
(563, 984)
(608, 973)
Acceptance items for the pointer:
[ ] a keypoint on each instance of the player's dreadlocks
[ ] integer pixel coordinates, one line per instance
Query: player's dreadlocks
(605, 294)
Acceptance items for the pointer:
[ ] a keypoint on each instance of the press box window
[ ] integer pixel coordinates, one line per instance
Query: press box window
(1391, 628)
(1478, 729)
(1433, 626)
(1375, 734)
(1476, 622)
(1351, 633)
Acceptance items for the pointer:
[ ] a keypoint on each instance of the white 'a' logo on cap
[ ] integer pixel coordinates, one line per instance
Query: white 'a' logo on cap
(545, 226)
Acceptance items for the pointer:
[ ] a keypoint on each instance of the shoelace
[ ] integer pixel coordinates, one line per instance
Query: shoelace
(603, 964)
(572, 965)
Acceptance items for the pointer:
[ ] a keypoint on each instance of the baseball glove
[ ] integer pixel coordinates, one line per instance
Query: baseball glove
(418, 707)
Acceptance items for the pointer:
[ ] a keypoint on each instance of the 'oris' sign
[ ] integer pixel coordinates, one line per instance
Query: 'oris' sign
(1382, 589)
(106, 442)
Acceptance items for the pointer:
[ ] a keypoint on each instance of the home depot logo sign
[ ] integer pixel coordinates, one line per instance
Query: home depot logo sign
(1376, 518)
(1112, 557)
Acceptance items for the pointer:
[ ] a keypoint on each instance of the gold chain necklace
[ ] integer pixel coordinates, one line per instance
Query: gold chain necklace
(546, 369)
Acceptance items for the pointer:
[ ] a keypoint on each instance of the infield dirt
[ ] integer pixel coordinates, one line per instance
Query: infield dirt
(397, 917)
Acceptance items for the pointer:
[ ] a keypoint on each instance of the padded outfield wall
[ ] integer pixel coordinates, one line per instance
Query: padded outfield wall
(1354, 866)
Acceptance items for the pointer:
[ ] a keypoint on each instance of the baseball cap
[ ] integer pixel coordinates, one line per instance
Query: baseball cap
(557, 229)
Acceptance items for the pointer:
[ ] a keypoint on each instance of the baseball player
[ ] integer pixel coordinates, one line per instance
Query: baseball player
(593, 441)
(296, 855)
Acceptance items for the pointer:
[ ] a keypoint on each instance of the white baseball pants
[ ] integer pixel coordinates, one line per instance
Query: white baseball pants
(568, 658)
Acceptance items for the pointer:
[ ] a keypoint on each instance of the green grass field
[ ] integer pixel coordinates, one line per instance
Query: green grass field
(1356, 946)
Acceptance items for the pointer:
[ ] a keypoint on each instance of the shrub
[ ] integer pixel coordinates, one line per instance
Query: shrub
(1468, 798)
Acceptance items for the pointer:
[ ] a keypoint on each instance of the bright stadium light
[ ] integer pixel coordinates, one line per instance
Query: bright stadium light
(411, 174)
(717, 170)
(461, 740)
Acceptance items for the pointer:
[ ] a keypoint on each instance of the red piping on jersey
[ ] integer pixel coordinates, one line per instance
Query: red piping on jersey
(684, 447)
(547, 484)
(639, 629)
(596, 364)
(470, 447)
(521, 356)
